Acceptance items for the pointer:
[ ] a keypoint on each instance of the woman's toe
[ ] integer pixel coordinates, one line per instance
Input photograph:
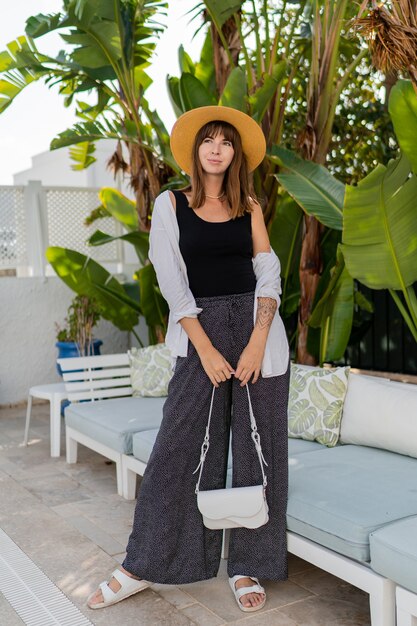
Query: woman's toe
(96, 598)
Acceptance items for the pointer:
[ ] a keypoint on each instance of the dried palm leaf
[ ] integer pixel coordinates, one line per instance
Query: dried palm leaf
(391, 35)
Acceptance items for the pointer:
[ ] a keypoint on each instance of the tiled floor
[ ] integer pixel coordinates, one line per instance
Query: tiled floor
(69, 520)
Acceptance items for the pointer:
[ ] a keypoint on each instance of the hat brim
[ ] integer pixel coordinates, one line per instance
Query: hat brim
(187, 126)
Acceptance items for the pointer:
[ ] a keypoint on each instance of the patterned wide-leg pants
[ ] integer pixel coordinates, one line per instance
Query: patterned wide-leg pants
(169, 543)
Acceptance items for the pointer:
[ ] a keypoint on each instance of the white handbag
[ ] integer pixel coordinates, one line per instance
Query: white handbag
(239, 506)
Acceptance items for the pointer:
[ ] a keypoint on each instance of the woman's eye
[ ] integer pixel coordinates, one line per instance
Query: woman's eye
(207, 140)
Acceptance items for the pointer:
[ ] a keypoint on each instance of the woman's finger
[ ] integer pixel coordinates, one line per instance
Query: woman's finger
(229, 367)
(256, 376)
(245, 378)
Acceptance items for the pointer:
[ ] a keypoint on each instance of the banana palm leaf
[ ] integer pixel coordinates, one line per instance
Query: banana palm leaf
(204, 69)
(311, 185)
(380, 227)
(234, 92)
(82, 155)
(192, 93)
(403, 110)
(333, 313)
(87, 277)
(221, 10)
(120, 207)
(154, 307)
(138, 239)
(261, 99)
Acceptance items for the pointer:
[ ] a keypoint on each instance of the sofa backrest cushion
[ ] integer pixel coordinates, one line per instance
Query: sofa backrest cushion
(380, 414)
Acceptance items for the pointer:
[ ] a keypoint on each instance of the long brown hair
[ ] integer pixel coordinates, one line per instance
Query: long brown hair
(237, 183)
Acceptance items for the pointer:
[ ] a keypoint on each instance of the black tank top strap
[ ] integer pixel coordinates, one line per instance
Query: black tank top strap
(181, 201)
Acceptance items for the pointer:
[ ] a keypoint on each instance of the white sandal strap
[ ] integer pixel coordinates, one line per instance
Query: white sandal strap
(122, 578)
(233, 580)
(242, 591)
(127, 585)
(108, 594)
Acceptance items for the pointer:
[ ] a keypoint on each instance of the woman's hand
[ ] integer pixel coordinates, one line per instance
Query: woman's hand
(215, 365)
(250, 362)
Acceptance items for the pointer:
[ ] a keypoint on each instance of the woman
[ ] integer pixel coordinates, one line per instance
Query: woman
(215, 267)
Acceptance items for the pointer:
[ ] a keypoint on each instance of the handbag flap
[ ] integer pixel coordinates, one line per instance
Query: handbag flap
(235, 502)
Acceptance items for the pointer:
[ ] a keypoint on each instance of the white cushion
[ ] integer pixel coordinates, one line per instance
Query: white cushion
(380, 414)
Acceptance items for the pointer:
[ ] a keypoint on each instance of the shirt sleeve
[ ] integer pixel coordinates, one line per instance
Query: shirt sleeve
(267, 268)
(172, 281)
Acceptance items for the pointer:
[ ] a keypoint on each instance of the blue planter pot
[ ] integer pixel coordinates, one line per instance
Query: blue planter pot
(67, 349)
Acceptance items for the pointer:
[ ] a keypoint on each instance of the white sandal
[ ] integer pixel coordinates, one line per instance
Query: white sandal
(128, 587)
(238, 593)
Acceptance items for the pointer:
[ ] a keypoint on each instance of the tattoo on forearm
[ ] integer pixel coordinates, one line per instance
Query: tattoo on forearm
(266, 312)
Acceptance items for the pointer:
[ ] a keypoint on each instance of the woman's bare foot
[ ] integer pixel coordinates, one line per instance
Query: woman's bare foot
(249, 599)
(114, 585)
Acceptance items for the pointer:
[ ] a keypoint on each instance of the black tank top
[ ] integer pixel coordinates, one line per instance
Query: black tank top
(218, 255)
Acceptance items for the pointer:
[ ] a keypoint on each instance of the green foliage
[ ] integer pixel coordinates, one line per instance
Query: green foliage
(234, 92)
(403, 111)
(380, 227)
(86, 277)
(154, 307)
(380, 234)
(311, 185)
(333, 313)
(83, 315)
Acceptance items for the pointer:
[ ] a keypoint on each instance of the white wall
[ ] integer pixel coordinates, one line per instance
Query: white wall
(28, 309)
(54, 168)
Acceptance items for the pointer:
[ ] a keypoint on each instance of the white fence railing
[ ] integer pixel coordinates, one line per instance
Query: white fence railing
(35, 217)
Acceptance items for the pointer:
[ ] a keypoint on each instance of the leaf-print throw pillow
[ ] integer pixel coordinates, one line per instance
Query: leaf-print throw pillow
(316, 403)
(150, 370)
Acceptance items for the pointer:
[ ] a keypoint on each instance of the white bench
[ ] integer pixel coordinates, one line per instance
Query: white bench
(103, 415)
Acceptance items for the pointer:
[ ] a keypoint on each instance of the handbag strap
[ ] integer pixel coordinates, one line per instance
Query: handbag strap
(254, 435)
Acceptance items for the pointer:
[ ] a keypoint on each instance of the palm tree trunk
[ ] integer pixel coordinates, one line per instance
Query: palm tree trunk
(309, 271)
(222, 67)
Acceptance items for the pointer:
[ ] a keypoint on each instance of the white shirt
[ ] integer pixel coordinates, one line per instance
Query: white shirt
(171, 271)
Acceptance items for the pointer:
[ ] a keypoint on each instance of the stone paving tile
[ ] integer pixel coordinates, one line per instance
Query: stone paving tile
(99, 537)
(324, 584)
(266, 618)
(58, 489)
(202, 616)
(327, 611)
(174, 595)
(297, 565)
(119, 557)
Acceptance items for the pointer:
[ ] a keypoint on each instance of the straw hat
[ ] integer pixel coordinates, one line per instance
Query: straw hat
(186, 127)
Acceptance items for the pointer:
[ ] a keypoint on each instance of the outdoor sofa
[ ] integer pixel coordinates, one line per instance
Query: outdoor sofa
(352, 508)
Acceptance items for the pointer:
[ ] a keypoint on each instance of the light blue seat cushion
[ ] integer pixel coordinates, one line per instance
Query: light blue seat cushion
(338, 496)
(143, 442)
(299, 446)
(113, 422)
(394, 552)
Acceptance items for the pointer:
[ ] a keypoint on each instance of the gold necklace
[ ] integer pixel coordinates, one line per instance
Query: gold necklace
(214, 197)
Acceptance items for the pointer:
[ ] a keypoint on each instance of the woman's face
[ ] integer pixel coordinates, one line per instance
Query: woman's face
(215, 154)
